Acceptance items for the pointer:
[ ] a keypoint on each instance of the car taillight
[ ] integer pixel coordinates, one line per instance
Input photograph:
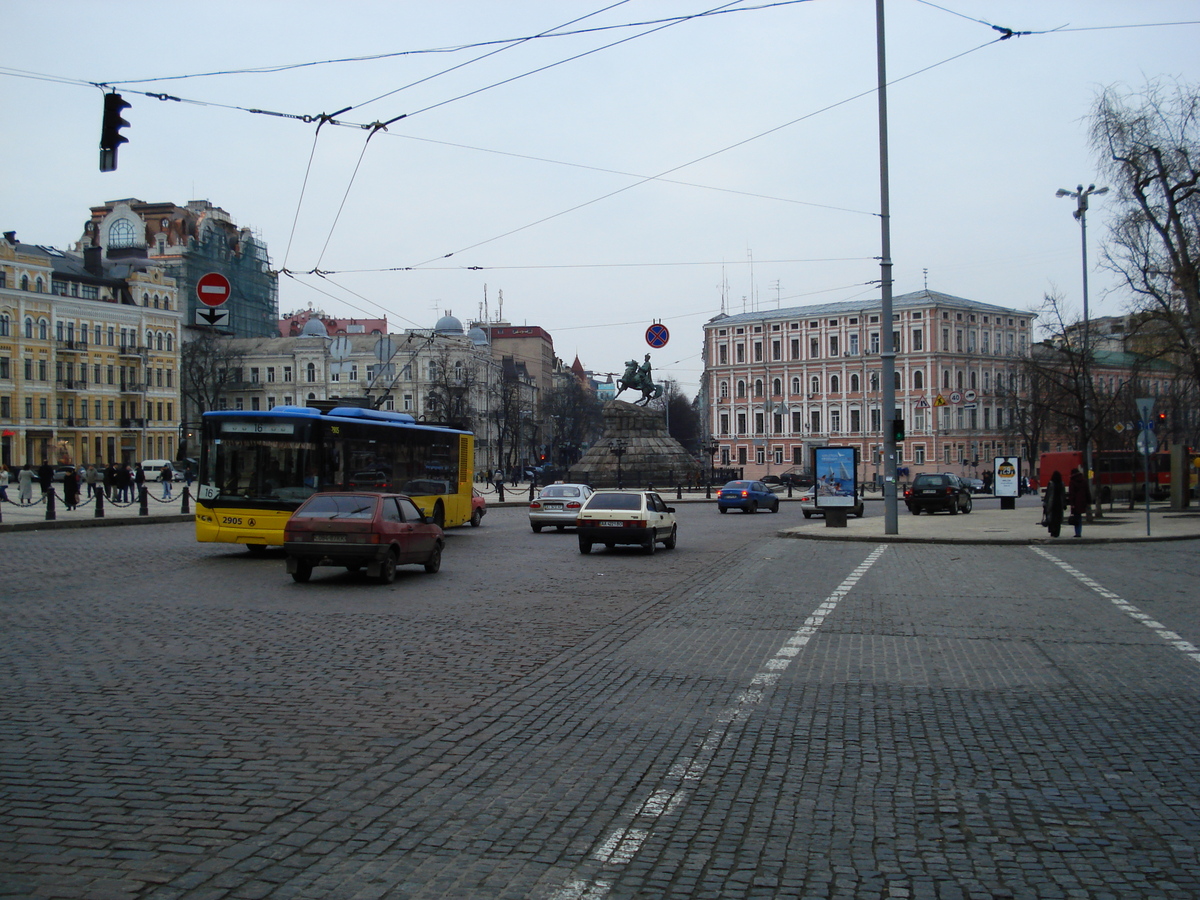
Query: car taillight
(574, 504)
(535, 505)
(745, 493)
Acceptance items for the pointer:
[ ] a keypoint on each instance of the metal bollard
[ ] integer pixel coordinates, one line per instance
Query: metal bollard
(51, 515)
(679, 492)
(789, 490)
(500, 490)
(99, 513)
(143, 505)
(184, 509)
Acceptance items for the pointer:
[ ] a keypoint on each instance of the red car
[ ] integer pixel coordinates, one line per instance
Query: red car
(478, 508)
(378, 531)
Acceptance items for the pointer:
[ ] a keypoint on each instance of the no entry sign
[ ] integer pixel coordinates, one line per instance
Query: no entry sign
(212, 289)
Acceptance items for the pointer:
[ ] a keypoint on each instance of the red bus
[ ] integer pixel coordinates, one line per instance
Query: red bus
(1118, 473)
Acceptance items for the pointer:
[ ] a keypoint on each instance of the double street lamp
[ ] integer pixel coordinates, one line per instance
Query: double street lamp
(1080, 195)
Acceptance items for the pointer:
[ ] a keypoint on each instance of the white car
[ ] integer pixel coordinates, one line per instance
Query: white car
(808, 504)
(626, 517)
(558, 505)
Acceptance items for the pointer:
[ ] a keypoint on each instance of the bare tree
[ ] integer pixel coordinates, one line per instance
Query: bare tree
(454, 385)
(208, 367)
(573, 420)
(1148, 144)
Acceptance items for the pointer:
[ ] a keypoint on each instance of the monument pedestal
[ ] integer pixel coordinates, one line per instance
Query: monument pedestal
(649, 455)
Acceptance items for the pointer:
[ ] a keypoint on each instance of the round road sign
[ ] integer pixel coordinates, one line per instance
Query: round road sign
(213, 289)
(657, 335)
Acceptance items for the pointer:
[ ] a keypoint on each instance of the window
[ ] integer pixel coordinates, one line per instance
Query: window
(759, 424)
(853, 351)
(776, 351)
(835, 384)
(814, 418)
(874, 341)
(777, 387)
(814, 385)
(855, 384)
(741, 388)
(287, 373)
(814, 348)
(722, 355)
(835, 421)
(724, 389)
(919, 455)
(120, 234)
(758, 351)
(918, 380)
(741, 423)
(796, 385)
(795, 348)
(856, 420)
(739, 352)
(833, 345)
(5, 325)
(310, 373)
(758, 387)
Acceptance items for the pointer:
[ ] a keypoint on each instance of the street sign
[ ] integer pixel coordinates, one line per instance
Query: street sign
(340, 348)
(921, 404)
(212, 317)
(657, 335)
(970, 395)
(213, 289)
(1146, 442)
(1145, 408)
(955, 397)
(939, 400)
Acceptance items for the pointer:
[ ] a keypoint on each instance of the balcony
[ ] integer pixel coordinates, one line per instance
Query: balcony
(130, 424)
(71, 384)
(79, 346)
(131, 350)
(133, 387)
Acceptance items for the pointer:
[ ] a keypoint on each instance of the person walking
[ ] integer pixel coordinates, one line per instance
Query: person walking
(45, 477)
(92, 477)
(25, 485)
(1053, 503)
(1079, 498)
(123, 483)
(166, 475)
(70, 485)
(4, 479)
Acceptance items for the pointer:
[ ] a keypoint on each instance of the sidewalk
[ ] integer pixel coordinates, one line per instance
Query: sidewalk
(33, 518)
(989, 525)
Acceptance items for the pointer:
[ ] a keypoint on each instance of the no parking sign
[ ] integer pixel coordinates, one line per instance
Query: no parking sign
(657, 335)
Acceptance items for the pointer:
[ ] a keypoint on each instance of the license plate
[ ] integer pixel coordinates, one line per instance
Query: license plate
(552, 506)
(611, 524)
(329, 538)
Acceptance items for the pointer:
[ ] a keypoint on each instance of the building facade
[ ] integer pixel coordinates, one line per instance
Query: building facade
(778, 383)
(189, 242)
(89, 358)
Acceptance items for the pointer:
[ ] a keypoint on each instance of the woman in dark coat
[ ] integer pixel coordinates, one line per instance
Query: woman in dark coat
(70, 485)
(1053, 504)
(1079, 498)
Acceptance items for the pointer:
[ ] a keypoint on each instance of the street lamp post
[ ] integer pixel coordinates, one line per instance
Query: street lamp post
(711, 449)
(1081, 196)
(618, 448)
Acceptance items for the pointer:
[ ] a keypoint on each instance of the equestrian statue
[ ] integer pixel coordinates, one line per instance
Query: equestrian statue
(639, 378)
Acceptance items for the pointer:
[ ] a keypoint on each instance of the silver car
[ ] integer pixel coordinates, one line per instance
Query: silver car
(558, 505)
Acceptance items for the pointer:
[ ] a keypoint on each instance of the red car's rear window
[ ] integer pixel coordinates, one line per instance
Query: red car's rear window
(342, 506)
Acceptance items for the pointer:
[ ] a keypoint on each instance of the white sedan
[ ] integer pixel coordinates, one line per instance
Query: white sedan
(626, 517)
(808, 504)
(557, 505)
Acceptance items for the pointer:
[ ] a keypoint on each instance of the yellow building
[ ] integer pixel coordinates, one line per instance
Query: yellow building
(89, 357)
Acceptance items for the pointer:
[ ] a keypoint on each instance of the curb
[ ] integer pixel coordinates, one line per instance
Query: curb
(94, 522)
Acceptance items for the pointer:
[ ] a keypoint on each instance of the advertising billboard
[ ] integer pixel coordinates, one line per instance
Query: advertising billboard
(836, 471)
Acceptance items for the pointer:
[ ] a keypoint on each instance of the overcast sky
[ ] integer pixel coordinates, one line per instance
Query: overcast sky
(533, 163)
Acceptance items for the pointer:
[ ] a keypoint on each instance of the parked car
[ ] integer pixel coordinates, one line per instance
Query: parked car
(478, 508)
(370, 481)
(748, 496)
(557, 505)
(797, 478)
(808, 504)
(626, 517)
(976, 485)
(379, 531)
(931, 492)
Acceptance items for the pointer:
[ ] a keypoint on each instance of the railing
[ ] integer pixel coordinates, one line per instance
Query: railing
(131, 350)
(72, 345)
(132, 387)
(71, 384)
(133, 423)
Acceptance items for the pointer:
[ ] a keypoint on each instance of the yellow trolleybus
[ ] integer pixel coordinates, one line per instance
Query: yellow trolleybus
(257, 467)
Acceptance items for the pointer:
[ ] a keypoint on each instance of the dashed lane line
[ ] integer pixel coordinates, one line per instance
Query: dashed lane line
(619, 846)
(1175, 640)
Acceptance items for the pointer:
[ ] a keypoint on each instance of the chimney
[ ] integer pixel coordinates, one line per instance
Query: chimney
(11, 237)
(91, 260)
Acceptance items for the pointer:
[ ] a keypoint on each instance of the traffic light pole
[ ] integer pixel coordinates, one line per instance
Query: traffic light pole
(888, 347)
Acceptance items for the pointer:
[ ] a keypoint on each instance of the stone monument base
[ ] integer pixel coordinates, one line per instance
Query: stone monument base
(649, 457)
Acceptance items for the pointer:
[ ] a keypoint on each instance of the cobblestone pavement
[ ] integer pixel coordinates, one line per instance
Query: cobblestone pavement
(744, 717)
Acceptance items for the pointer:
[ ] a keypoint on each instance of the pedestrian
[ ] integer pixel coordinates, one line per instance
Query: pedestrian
(189, 475)
(166, 475)
(1079, 498)
(4, 479)
(25, 485)
(91, 477)
(1053, 504)
(110, 480)
(45, 477)
(124, 483)
(70, 485)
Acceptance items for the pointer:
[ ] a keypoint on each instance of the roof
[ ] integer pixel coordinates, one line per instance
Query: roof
(915, 300)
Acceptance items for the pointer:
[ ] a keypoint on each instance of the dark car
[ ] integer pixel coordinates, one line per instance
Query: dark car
(930, 492)
(748, 496)
(378, 531)
(797, 479)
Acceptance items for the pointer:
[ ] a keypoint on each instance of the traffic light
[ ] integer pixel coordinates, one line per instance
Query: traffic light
(897, 430)
(110, 131)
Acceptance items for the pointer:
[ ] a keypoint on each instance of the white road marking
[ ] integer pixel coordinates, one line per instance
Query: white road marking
(619, 846)
(1185, 647)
